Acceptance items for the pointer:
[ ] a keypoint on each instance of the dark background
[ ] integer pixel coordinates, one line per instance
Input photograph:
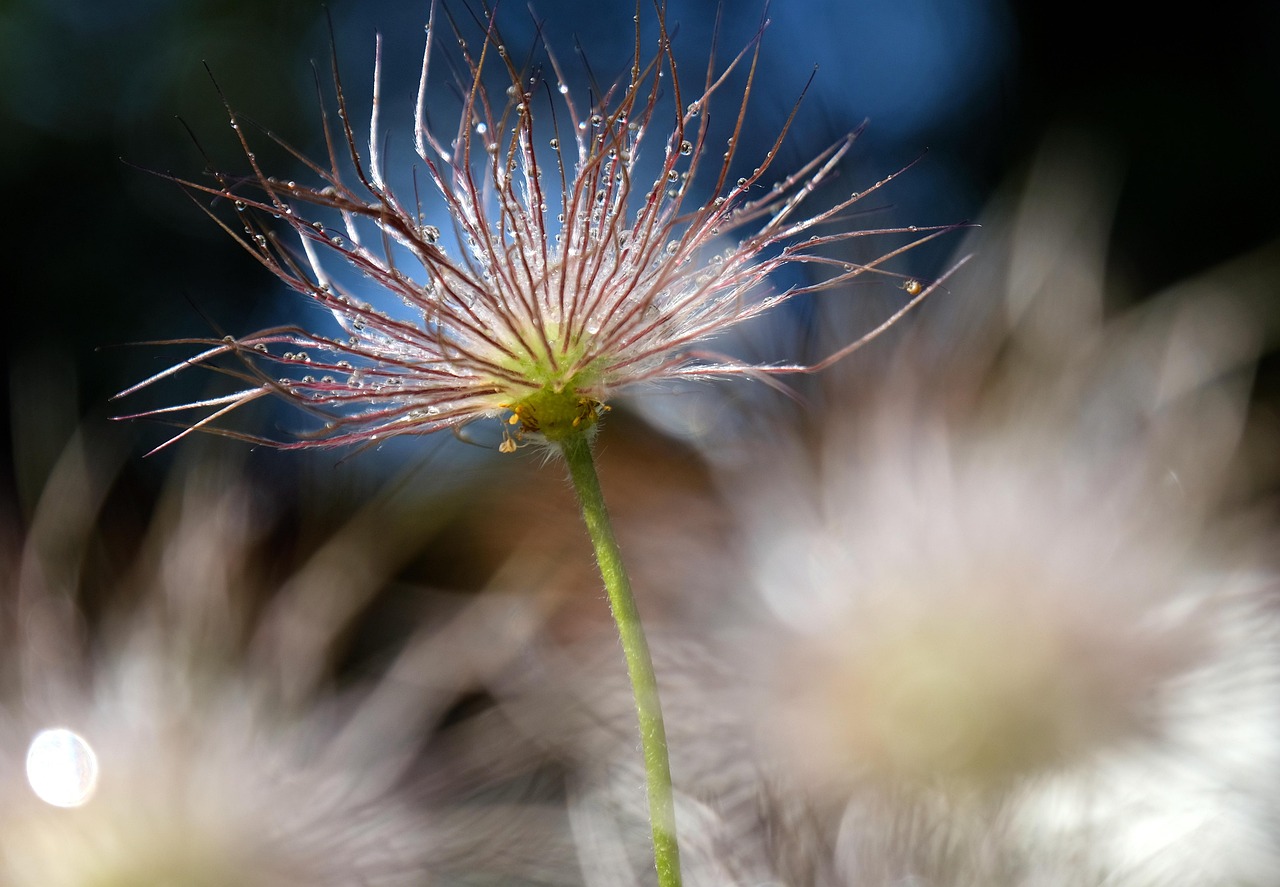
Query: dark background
(101, 253)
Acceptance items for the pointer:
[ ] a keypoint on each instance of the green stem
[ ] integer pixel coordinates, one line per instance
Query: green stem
(644, 685)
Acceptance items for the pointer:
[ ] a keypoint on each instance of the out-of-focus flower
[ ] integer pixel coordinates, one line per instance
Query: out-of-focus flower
(185, 726)
(581, 269)
(1008, 618)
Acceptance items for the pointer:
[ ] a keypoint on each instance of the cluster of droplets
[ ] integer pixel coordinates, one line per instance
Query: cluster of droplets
(573, 268)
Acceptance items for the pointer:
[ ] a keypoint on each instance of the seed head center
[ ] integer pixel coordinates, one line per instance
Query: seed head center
(555, 414)
(556, 405)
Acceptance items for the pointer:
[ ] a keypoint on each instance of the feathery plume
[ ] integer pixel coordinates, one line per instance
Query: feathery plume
(578, 269)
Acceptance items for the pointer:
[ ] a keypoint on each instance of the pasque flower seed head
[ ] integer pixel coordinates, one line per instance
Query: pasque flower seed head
(577, 270)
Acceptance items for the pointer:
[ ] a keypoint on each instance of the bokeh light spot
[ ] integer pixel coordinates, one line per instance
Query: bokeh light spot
(62, 768)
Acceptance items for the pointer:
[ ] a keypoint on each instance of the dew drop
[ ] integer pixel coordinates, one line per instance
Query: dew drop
(686, 148)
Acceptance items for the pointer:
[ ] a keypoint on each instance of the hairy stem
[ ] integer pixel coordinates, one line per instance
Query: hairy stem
(644, 685)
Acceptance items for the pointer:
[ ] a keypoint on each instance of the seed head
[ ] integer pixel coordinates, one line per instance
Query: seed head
(1018, 631)
(577, 269)
(190, 756)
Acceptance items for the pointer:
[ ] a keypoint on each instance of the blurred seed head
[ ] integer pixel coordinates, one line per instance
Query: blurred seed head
(201, 682)
(1012, 625)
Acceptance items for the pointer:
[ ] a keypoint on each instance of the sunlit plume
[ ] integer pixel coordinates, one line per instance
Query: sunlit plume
(572, 270)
